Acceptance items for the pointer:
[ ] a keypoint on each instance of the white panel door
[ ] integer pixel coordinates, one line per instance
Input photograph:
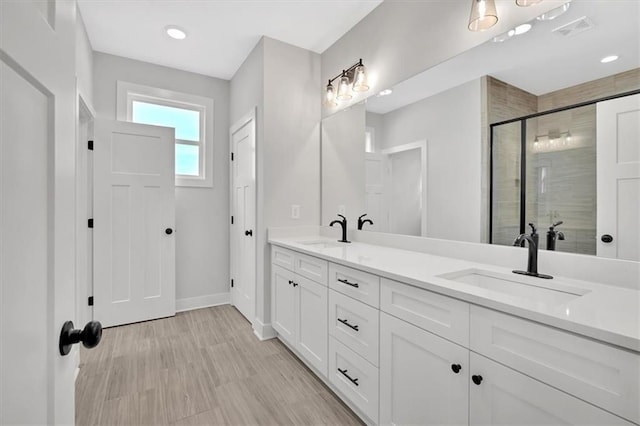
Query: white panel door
(618, 178)
(418, 384)
(502, 396)
(37, 210)
(312, 326)
(134, 217)
(243, 211)
(374, 192)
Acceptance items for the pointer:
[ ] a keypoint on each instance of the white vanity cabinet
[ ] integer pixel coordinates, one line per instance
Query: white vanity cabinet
(299, 310)
(400, 354)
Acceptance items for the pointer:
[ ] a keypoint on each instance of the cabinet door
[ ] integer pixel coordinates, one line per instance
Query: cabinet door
(417, 382)
(284, 303)
(312, 324)
(506, 397)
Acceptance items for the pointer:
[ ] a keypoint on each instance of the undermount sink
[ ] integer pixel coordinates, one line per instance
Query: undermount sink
(320, 244)
(548, 292)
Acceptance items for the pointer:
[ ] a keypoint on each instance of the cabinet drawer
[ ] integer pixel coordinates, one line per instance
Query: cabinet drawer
(506, 397)
(603, 375)
(354, 324)
(282, 257)
(354, 377)
(311, 267)
(357, 284)
(441, 315)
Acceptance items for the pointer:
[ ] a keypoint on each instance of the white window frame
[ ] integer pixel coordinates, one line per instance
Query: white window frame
(129, 92)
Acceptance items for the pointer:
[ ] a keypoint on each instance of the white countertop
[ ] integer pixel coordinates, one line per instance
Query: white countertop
(607, 313)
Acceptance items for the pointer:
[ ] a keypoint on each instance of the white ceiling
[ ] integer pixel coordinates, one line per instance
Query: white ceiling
(221, 33)
(538, 61)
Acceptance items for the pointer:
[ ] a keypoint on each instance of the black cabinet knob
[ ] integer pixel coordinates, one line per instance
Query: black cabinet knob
(477, 379)
(606, 238)
(168, 231)
(248, 233)
(90, 336)
(456, 368)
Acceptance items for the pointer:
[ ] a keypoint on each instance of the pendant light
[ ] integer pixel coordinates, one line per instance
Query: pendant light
(527, 3)
(360, 83)
(483, 15)
(344, 89)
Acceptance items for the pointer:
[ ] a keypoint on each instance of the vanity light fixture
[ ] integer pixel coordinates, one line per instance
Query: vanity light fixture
(554, 13)
(608, 59)
(483, 15)
(555, 141)
(527, 3)
(175, 32)
(353, 79)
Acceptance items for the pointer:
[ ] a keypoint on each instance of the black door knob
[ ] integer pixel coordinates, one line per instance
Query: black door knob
(90, 336)
(606, 238)
(456, 368)
(168, 231)
(249, 232)
(476, 379)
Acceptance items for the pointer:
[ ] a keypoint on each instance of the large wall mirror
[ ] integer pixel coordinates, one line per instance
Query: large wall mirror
(534, 128)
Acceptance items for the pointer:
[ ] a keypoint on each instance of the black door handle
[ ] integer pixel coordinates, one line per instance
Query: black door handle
(249, 232)
(168, 231)
(90, 336)
(606, 238)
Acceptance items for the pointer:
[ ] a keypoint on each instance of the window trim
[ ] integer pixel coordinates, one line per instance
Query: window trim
(129, 92)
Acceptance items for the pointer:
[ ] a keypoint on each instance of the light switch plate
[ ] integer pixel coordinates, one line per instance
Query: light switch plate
(295, 211)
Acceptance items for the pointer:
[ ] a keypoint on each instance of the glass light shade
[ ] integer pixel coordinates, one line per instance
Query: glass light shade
(344, 89)
(330, 96)
(525, 3)
(360, 83)
(483, 15)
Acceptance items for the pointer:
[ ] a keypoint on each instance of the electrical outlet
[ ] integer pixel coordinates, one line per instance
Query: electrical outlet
(295, 211)
(342, 210)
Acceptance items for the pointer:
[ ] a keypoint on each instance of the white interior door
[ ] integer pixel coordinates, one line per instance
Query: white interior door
(618, 178)
(37, 210)
(374, 194)
(134, 216)
(243, 228)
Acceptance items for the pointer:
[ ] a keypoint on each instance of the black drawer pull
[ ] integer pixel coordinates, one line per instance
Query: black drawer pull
(344, 373)
(477, 379)
(295, 284)
(290, 282)
(456, 368)
(356, 285)
(345, 322)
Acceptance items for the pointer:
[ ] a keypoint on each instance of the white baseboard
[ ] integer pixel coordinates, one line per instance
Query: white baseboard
(206, 301)
(263, 331)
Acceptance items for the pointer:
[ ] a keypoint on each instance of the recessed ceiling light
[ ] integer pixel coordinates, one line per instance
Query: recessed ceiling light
(608, 59)
(175, 32)
(385, 92)
(521, 29)
(504, 36)
(554, 13)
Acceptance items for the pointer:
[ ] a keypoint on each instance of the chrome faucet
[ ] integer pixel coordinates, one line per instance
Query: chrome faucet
(361, 222)
(532, 258)
(342, 223)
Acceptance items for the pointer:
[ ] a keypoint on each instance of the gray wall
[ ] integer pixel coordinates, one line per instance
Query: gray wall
(450, 123)
(282, 81)
(202, 214)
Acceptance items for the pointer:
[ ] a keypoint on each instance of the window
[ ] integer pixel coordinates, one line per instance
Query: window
(192, 118)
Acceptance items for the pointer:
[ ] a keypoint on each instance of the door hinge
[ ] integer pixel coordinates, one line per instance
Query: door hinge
(232, 220)
(90, 223)
(90, 145)
(90, 301)
(232, 156)
(232, 283)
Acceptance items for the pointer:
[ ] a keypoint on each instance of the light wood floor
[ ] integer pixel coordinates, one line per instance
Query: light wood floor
(199, 367)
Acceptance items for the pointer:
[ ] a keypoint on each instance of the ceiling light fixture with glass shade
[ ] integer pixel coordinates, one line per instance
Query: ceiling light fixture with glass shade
(353, 79)
(483, 15)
